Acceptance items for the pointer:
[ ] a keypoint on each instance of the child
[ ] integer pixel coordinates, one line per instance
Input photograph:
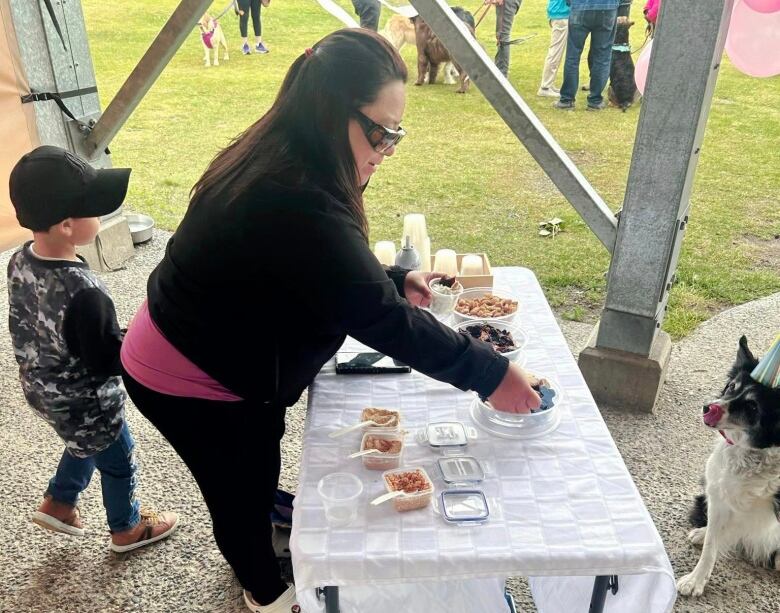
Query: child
(67, 340)
(558, 14)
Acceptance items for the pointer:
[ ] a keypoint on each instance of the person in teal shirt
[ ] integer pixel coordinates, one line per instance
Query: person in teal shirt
(558, 14)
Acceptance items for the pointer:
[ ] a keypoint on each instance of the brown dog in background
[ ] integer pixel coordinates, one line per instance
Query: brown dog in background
(399, 30)
(431, 52)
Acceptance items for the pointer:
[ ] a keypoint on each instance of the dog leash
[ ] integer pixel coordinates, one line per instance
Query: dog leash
(520, 40)
(486, 10)
(642, 46)
(227, 8)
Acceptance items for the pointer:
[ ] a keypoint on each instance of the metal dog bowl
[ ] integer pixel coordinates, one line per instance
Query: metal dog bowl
(141, 227)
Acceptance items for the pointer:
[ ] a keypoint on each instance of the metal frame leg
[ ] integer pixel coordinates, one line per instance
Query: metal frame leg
(601, 586)
(331, 594)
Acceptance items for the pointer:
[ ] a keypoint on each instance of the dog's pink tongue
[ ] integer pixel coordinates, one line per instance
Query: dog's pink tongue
(713, 415)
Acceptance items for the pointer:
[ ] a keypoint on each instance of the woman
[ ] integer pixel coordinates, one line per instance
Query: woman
(268, 271)
(244, 8)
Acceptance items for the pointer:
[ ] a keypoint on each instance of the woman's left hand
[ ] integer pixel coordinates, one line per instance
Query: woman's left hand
(416, 287)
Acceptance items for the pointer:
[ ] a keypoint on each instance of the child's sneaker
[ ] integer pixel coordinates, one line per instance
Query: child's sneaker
(58, 517)
(153, 527)
(245, 49)
(286, 603)
(261, 48)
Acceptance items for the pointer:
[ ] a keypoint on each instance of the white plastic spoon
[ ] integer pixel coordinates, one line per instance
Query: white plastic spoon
(385, 497)
(348, 429)
(358, 454)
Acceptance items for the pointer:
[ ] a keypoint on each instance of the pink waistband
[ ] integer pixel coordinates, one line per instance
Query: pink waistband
(151, 360)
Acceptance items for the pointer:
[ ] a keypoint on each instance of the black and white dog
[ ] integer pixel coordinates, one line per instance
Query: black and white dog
(740, 511)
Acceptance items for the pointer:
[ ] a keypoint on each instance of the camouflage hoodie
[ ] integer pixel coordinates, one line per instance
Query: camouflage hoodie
(84, 406)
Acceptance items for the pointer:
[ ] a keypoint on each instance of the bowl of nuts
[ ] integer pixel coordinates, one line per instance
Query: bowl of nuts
(508, 339)
(485, 303)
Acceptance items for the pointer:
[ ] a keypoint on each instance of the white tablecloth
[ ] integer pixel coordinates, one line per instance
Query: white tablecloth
(563, 508)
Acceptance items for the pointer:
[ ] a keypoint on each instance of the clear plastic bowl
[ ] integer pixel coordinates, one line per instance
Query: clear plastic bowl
(478, 292)
(520, 337)
(518, 425)
(340, 493)
(410, 502)
(382, 461)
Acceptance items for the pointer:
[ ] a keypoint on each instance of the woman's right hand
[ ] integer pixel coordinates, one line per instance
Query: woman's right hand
(514, 394)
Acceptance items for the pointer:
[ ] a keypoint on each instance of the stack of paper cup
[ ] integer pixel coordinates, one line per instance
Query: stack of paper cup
(416, 228)
(471, 265)
(385, 252)
(446, 261)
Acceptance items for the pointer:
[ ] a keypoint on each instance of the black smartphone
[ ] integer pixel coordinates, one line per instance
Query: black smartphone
(367, 363)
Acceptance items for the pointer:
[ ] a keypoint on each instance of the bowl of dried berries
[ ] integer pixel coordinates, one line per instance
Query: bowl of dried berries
(508, 339)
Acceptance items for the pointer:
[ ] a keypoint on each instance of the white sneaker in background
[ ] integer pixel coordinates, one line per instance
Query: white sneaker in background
(286, 603)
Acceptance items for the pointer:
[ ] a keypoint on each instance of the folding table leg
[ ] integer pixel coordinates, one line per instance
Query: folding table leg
(331, 593)
(601, 586)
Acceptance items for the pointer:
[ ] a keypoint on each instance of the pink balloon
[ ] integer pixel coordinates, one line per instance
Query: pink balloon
(764, 6)
(753, 41)
(642, 64)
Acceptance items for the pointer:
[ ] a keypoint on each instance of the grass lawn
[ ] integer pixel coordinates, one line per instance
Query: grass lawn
(460, 165)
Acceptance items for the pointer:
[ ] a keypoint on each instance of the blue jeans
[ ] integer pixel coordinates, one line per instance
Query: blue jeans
(117, 467)
(368, 11)
(601, 27)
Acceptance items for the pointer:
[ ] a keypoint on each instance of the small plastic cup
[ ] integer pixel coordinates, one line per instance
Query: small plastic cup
(443, 298)
(340, 493)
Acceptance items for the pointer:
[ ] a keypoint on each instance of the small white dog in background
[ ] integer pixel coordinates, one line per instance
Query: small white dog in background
(212, 37)
(399, 30)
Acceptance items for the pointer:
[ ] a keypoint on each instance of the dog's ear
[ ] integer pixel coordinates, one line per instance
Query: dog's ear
(745, 358)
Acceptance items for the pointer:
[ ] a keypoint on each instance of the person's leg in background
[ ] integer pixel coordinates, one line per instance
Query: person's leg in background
(559, 31)
(232, 450)
(368, 11)
(257, 27)
(575, 42)
(602, 37)
(243, 22)
(505, 17)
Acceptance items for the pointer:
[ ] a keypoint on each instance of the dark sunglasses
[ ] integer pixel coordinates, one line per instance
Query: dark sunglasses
(380, 137)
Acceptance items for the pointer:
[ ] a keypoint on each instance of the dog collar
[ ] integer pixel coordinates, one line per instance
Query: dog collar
(625, 48)
(728, 440)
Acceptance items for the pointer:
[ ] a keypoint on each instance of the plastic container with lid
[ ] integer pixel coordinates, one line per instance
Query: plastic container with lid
(409, 501)
(463, 502)
(464, 507)
(382, 460)
(446, 436)
(460, 470)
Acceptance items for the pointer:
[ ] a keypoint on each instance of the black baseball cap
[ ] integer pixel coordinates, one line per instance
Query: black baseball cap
(50, 184)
